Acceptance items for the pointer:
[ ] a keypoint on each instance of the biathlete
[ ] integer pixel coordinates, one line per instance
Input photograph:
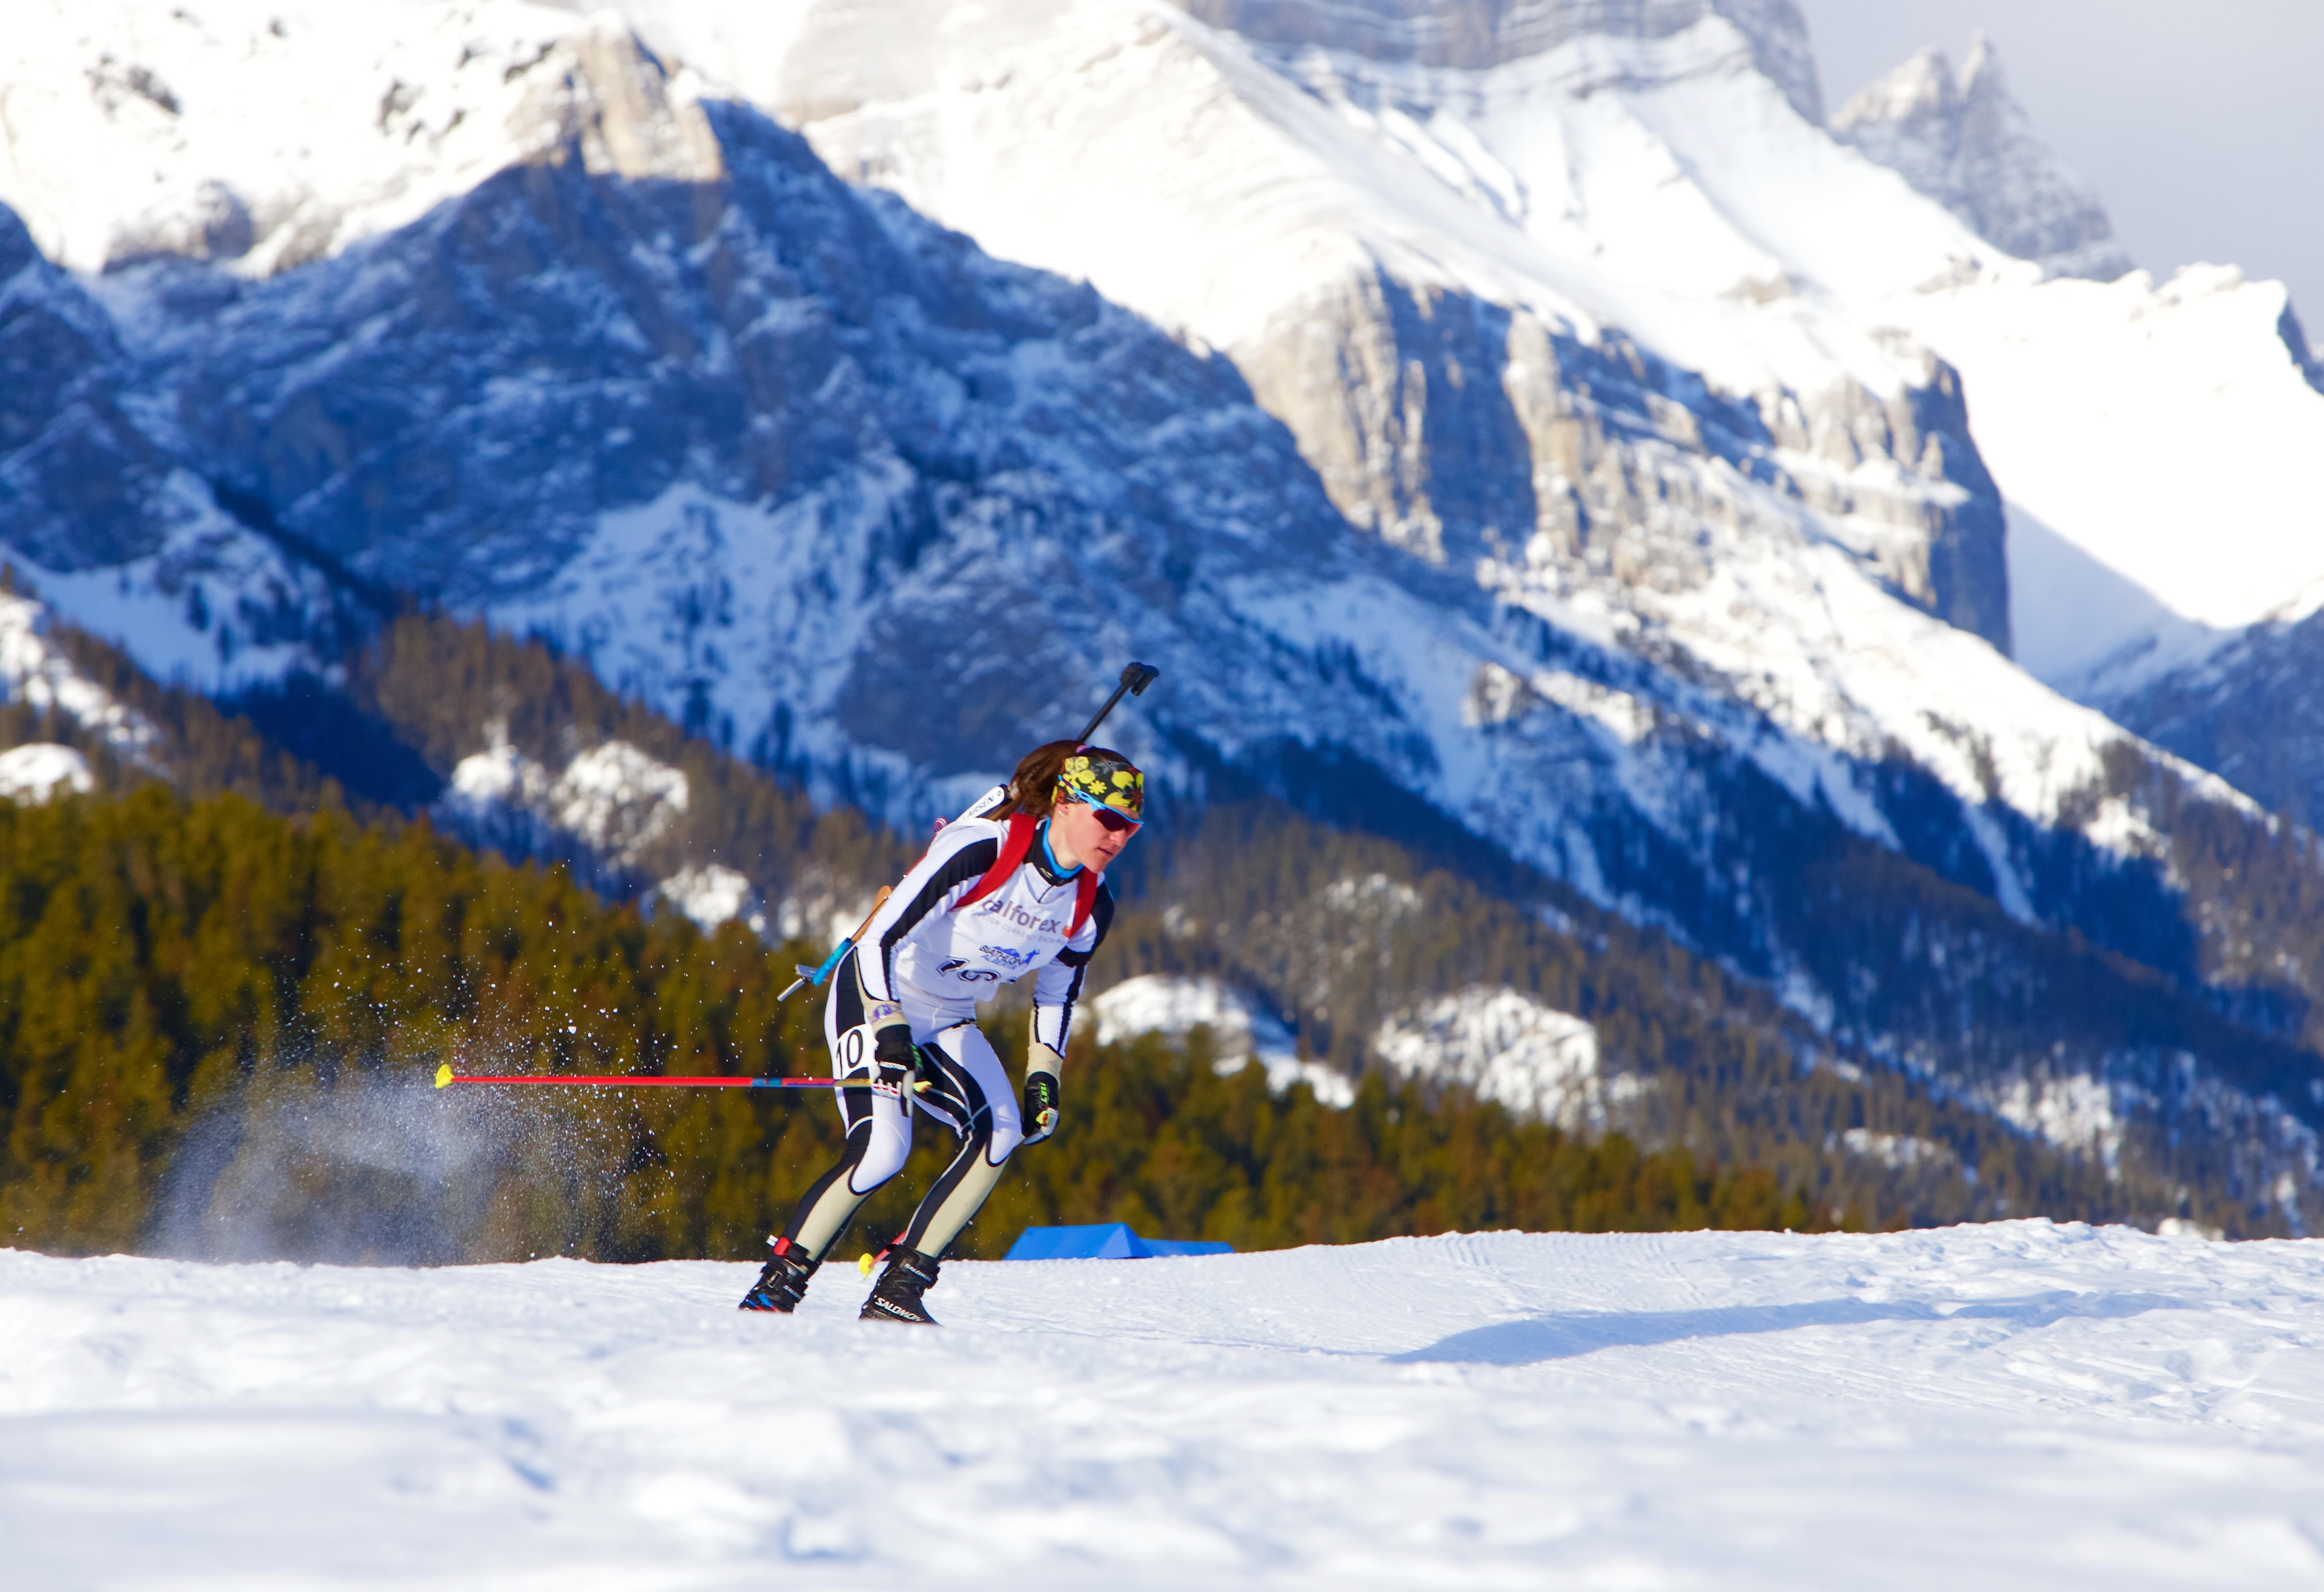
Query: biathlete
(1015, 886)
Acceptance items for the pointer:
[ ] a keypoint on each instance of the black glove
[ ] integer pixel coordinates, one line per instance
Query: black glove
(1044, 1088)
(897, 1057)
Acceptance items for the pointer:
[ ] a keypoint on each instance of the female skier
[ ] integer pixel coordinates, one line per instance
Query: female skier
(1015, 886)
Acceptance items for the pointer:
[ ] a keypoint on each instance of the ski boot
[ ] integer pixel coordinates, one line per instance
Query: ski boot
(783, 1283)
(896, 1296)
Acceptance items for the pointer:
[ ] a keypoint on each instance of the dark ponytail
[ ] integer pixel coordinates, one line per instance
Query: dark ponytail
(1033, 788)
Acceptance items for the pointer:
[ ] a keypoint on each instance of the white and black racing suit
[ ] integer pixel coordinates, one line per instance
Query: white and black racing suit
(936, 961)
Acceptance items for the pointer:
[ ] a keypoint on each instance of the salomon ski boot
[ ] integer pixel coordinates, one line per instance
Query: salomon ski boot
(783, 1283)
(896, 1296)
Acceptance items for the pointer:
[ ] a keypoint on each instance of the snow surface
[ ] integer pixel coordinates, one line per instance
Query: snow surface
(614, 797)
(35, 771)
(2018, 1406)
(711, 895)
(1608, 181)
(1509, 1047)
(619, 797)
(1164, 1003)
(262, 133)
(1898, 1150)
(2165, 431)
(37, 672)
(2077, 1112)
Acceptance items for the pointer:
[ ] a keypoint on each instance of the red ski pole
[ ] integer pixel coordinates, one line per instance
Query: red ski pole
(445, 1075)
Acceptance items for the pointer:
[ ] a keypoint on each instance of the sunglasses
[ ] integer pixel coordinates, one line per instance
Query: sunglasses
(1111, 822)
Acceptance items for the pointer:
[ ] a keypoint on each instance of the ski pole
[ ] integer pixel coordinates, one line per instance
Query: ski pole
(1135, 679)
(446, 1076)
(815, 975)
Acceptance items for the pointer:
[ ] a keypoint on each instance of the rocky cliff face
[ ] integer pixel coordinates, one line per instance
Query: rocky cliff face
(1967, 144)
(1454, 425)
(1474, 33)
(1462, 430)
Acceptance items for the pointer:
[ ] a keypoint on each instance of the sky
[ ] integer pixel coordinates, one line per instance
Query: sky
(2201, 123)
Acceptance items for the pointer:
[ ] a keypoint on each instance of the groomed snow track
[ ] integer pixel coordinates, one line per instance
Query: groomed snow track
(2016, 1406)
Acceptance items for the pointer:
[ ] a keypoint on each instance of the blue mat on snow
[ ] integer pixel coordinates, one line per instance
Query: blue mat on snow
(1106, 1240)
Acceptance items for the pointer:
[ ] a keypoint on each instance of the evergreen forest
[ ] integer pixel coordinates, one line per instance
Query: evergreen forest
(231, 968)
(220, 1026)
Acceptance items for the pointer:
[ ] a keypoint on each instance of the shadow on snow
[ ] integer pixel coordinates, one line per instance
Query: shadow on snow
(1536, 1339)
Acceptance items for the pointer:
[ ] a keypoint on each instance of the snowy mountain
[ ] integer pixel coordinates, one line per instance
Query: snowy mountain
(2117, 421)
(1529, 430)
(1967, 144)
(122, 525)
(2110, 415)
(2013, 1406)
(2249, 707)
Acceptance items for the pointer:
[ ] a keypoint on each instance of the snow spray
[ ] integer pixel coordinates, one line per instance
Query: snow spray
(315, 1161)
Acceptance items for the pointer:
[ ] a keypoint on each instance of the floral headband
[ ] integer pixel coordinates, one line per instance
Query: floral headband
(1106, 782)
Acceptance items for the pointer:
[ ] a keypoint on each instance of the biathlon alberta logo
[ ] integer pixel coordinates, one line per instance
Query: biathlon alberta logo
(1016, 961)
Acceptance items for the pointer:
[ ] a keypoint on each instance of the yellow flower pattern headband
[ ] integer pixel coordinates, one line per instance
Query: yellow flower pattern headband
(1106, 782)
